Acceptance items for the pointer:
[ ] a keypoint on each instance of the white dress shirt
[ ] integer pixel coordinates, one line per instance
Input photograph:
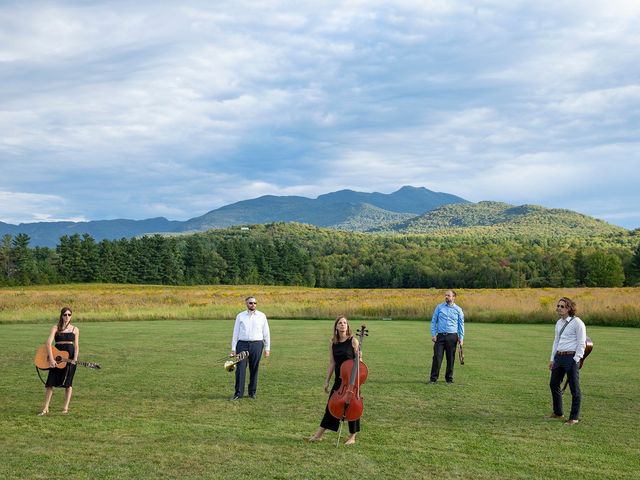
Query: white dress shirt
(251, 326)
(574, 338)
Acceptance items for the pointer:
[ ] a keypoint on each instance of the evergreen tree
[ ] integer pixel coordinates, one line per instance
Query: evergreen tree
(7, 268)
(634, 269)
(23, 260)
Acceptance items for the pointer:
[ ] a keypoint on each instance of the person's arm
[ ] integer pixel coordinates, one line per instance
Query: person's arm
(52, 334)
(76, 344)
(355, 344)
(554, 348)
(234, 337)
(266, 335)
(581, 339)
(460, 325)
(330, 368)
(434, 323)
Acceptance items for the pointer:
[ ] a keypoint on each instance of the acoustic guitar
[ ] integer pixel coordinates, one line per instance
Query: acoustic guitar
(588, 346)
(61, 358)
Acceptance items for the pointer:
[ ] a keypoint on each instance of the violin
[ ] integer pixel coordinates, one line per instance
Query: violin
(346, 402)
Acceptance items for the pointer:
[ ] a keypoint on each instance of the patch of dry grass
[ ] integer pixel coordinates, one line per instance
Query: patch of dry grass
(105, 302)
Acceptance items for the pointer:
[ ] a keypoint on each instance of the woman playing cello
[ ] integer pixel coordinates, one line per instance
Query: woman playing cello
(343, 347)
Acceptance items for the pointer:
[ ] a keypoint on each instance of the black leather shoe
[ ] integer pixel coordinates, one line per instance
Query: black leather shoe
(252, 397)
(449, 382)
(432, 382)
(235, 397)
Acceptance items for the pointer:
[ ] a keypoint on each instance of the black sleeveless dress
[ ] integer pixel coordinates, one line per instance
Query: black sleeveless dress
(63, 377)
(341, 351)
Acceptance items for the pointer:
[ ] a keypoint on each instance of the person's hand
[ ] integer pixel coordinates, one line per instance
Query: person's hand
(460, 342)
(52, 364)
(267, 353)
(233, 353)
(72, 361)
(550, 365)
(433, 339)
(325, 387)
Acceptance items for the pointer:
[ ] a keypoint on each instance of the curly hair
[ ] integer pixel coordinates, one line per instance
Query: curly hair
(572, 308)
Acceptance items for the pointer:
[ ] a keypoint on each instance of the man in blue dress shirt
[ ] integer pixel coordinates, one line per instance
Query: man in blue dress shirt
(447, 330)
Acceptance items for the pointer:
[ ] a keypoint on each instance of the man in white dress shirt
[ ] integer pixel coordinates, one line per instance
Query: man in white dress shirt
(567, 351)
(250, 333)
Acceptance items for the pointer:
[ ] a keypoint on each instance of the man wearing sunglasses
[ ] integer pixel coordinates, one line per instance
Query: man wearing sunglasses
(251, 334)
(566, 353)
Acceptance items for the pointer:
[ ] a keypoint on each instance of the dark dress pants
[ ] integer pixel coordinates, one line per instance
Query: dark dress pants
(253, 362)
(445, 344)
(565, 364)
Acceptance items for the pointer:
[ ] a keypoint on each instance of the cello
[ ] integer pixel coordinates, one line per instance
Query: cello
(346, 402)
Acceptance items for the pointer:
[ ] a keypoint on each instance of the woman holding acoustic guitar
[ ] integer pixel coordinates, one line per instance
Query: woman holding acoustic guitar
(66, 337)
(343, 346)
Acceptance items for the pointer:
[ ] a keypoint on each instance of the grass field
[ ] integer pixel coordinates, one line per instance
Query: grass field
(158, 409)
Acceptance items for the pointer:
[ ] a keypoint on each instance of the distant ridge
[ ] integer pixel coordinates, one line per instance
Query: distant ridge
(329, 210)
(344, 209)
(410, 210)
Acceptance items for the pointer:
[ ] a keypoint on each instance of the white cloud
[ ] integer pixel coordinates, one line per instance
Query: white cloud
(152, 109)
(22, 207)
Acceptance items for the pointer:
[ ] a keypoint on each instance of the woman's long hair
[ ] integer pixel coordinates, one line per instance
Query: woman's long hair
(61, 319)
(336, 335)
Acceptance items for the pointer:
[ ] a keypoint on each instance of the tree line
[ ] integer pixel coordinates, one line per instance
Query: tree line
(296, 254)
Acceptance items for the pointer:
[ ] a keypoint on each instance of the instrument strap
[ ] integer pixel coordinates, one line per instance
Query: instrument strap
(45, 383)
(40, 376)
(565, 326)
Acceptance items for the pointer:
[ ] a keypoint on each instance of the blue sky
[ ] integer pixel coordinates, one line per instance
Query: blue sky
(118, 109)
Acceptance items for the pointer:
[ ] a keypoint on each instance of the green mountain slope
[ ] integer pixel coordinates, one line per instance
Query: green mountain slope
(361, 217)
(502, 218)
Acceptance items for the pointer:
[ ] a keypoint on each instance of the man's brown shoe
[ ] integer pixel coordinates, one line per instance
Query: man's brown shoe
(553, 415)
(571, 422)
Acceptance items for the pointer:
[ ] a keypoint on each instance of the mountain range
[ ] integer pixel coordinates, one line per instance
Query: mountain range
(408, 210)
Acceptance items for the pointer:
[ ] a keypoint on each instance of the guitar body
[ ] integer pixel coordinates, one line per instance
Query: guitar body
(42, 358)
(588, 346)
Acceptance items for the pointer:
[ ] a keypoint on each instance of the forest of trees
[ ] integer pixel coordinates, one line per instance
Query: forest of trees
(295, 254)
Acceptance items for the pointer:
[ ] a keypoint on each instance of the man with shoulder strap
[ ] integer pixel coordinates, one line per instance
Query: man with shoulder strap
(566, 353)
(251, 334)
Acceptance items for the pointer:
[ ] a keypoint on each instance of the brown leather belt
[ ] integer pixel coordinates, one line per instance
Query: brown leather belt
(565, 353)
(64, 343)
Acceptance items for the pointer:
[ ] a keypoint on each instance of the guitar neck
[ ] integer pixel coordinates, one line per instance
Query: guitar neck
(84, 364)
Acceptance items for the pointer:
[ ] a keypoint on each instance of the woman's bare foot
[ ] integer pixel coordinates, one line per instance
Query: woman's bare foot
(351, 439)
(315, 438)
(43, 413)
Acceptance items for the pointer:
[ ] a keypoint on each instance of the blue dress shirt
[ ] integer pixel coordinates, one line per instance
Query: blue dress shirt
(448, 319)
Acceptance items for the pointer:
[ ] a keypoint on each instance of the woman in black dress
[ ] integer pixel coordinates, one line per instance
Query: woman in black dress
(66, 337)
(343, 347)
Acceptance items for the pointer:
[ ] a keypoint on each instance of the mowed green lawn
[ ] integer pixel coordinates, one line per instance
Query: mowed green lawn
(159, 407)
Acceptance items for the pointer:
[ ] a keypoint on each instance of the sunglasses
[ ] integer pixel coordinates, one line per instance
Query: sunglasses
(561, 306)
(251, 303)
